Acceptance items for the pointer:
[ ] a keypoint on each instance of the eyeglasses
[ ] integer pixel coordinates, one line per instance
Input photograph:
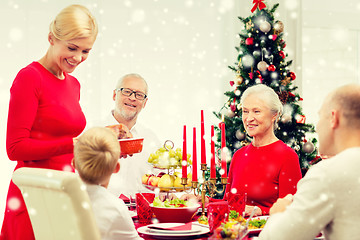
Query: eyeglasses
(128, 92)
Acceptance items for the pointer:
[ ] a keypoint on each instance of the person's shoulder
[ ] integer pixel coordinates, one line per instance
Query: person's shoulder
(71, 78)
(284, 148)
(242, 150)
(29, 76)
(32, 69)
(106, 197)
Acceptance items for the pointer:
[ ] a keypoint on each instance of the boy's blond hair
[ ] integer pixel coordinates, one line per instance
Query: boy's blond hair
(96, 154)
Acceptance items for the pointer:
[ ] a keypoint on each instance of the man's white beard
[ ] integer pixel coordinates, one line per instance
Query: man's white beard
(128, 116)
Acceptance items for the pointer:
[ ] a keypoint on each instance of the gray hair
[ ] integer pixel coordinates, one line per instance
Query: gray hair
(135, 75)
(269, 96)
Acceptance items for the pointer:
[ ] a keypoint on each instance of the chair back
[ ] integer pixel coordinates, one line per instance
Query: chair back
(58, 204)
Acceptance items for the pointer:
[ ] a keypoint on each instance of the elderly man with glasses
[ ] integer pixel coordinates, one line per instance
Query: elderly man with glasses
(130, 96)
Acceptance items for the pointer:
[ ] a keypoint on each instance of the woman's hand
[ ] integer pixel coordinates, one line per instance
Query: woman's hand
(249, 209)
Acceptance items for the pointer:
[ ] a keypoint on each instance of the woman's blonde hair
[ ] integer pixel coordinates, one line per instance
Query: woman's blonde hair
(269, 96)
(95, 154)
(74, 21)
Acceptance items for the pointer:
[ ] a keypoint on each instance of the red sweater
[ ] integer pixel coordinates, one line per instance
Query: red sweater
(44, 116)
(264, 173)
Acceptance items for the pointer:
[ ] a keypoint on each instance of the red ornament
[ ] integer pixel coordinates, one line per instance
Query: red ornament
(282, 54)
(301, 119)
(251, 75)
(249, 41)
(232, 83)
(292, 75)
(291, 94)
(233, 107)
(274, 37)
(271, 68)
(282, 43)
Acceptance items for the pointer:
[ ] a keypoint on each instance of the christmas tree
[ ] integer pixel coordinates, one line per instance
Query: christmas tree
(262, 59)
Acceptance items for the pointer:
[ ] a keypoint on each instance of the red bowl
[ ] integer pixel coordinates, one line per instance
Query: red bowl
(131, 145)
(175, 215)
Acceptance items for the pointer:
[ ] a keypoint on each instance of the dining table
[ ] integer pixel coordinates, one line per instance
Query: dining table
(252, 235)
(202, 236)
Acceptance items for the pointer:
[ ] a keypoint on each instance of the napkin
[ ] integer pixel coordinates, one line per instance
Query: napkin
(124, 198)
(186, 226)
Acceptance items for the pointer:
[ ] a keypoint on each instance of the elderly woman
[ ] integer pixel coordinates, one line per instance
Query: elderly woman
(44, 110)
(267, 168)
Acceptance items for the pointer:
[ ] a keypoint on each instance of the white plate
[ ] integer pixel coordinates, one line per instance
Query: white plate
(195, 230)
(169, 225)
(257, 230)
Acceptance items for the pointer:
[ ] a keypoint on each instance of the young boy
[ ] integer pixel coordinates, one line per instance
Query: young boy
(96, 155)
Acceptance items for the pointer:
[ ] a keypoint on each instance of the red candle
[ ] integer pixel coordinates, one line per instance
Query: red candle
(194, 162)
(212, 161)
(203, 151)
(223, 145)
(184, 155)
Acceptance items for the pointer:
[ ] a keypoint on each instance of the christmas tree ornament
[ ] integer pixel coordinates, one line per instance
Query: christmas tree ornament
(249, 41)
(282, 43)
(282, 54)
(258, 4)
(291, 94)
(292, 75)
(283, 96)
(256, 53)
(232, 83)
(239, 134)
(273, 37)
(229, 113)
(248, 61)
(271, 68)
(239, 80)
(251, 75)
(233, 107)
(265, 27)
(244, 143)
(286, 118)
(308, 147)
(262, 66)
(300, 118)
(278, 27)
(238, 106)
(285, 81)
(249, 25)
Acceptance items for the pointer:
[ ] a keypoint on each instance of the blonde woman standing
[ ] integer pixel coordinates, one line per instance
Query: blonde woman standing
(44, 110)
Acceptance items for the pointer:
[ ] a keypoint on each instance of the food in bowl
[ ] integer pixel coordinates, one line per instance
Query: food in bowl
(176, 210)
